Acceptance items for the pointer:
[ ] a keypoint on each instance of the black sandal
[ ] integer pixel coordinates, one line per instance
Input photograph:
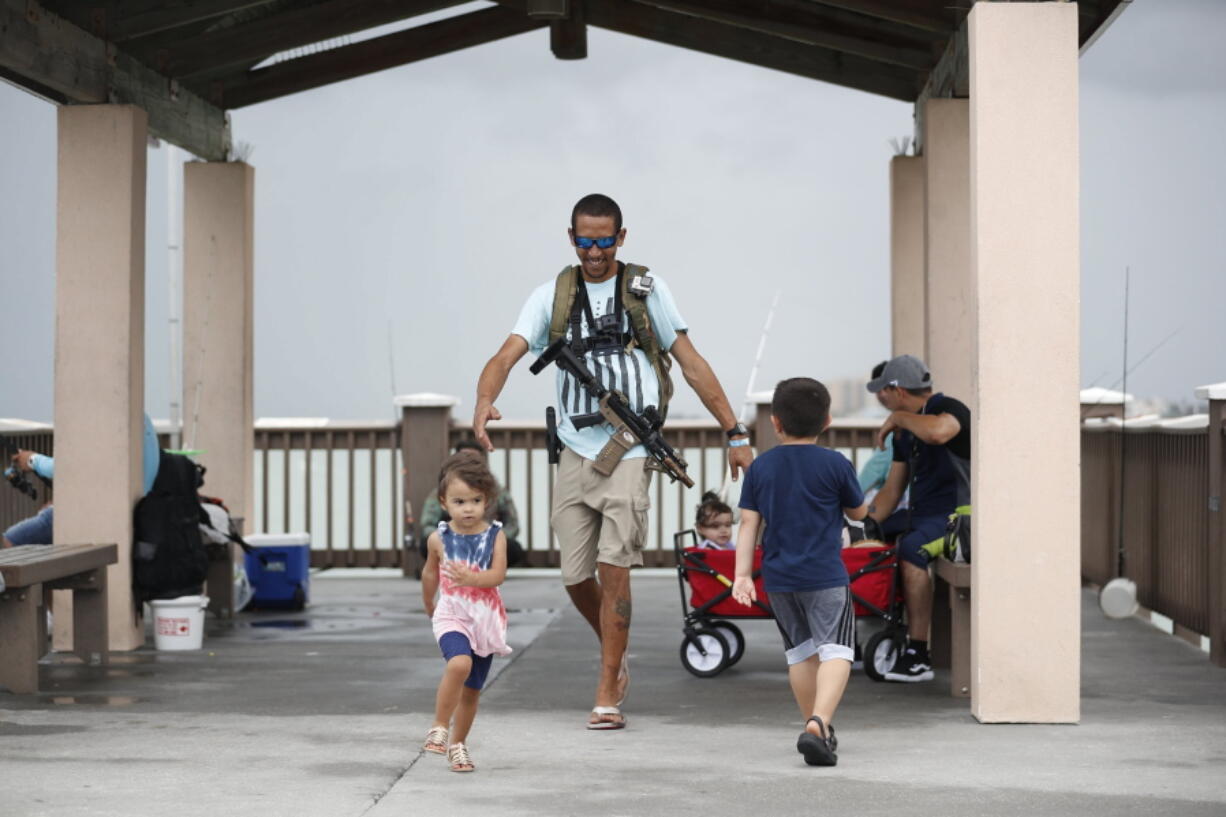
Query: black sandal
(818, 751)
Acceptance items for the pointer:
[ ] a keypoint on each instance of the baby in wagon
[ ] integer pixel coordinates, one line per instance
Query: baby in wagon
(713, 522)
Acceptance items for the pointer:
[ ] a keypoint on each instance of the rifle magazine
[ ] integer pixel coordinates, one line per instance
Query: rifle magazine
(615, 450)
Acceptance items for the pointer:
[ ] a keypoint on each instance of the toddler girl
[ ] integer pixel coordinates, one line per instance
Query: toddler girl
(467, 560)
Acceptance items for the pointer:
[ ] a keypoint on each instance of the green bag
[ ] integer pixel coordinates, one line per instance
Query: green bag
(958, 535)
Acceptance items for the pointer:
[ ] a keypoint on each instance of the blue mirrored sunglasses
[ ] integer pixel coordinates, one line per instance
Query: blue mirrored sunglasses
(603, 243)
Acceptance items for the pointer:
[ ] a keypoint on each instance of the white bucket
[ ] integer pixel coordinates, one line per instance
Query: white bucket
(178, 624)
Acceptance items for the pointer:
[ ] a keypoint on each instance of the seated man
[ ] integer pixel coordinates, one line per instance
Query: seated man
(37, 529)
(503, 510)
(932, 455)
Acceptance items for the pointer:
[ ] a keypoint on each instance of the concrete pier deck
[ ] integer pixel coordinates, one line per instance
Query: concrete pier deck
(322, 713)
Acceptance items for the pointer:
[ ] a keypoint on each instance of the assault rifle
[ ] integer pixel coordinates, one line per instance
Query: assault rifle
(629, 428)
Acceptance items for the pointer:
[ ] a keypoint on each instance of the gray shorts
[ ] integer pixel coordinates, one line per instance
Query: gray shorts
(815, 622)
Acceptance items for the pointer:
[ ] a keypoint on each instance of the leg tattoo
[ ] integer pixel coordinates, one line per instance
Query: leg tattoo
(623, 614)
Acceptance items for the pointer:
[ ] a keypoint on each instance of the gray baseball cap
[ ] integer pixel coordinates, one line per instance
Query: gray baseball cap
(905, 372)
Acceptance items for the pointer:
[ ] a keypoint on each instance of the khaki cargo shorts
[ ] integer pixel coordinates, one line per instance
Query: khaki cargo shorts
(599, 518)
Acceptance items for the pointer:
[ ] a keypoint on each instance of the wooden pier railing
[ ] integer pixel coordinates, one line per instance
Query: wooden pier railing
(1153, 489)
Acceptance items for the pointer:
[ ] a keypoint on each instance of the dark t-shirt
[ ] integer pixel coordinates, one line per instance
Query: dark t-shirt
(801, 491)
(937, 486)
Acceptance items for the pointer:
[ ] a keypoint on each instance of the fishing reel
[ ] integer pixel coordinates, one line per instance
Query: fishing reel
(21, 482)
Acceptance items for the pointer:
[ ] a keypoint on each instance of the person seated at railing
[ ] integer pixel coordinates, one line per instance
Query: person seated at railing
(37, 529)
(932, 460)
(502, 508)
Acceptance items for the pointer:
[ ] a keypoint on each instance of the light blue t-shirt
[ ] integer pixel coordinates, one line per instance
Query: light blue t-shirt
(874, 472)
(631, 374)
(44, 466)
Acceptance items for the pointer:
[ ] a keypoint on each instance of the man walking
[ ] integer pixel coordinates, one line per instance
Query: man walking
(625, 325)
(932, 453)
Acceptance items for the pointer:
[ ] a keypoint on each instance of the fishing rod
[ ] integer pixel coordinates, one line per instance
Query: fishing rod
(1118, 597)
(1123, 431)
(408, 533)
(1152, 350)
(757, 360)
(726, 487)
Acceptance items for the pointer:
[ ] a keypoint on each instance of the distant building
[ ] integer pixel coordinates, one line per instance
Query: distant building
(848, 397)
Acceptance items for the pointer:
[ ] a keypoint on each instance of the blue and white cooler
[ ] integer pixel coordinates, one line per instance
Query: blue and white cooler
(279, 570)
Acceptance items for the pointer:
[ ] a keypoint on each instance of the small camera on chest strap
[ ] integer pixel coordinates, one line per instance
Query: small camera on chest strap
(608, 339)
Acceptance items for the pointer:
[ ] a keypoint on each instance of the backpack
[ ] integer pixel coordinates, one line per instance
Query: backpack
(957, 541)
(219, 530)
(566, 288)
(168, 555)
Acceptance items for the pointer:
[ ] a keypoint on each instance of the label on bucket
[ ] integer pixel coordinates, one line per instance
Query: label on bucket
(174, 626)
(276, 566)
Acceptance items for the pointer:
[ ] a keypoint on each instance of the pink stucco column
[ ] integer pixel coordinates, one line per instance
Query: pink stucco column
(1025, 643)
(100, 346)
(218, 247)
(908, 329)
(947, 228)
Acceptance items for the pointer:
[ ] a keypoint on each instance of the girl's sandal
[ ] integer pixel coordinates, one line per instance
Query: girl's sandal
(436, 740)
(457, 755)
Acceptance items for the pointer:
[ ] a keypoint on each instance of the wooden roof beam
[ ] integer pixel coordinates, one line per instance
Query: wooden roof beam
(1103, 14)
(120, 20)
(753, 47)
(215, 51)
(805, 25)
(929, 15)
(369, 56)
(568, 37)
(125, 23)
(58, 60)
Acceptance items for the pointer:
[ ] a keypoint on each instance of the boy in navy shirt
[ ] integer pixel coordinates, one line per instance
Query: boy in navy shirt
(802, 491)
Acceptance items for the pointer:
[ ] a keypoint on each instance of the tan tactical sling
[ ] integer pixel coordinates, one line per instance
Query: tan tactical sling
(564, 291)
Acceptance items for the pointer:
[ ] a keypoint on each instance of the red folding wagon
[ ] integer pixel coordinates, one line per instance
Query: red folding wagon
(712, 642)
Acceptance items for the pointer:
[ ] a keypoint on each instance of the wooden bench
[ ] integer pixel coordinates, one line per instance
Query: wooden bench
(30, 574)
(951, 624)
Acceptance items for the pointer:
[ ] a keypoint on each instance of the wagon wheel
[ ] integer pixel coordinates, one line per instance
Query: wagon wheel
(881, 651)
(704, 653)
(732, 634)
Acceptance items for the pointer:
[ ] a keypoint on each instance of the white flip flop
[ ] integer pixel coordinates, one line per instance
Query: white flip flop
(602, 711)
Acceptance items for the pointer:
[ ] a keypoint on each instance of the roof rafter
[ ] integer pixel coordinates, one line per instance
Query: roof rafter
(121, 20)
(753, 47)
(388, 51)
(214, 51)
(930, 15)
(56, 59)
(804, 23)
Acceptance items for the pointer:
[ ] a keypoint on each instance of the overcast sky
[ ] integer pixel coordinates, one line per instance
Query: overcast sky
(424, 203)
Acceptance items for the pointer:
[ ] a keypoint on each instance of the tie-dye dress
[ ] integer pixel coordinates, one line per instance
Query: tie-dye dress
(476, 612)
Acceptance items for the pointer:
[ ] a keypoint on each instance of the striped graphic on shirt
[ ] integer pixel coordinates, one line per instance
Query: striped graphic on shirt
(625, 375)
